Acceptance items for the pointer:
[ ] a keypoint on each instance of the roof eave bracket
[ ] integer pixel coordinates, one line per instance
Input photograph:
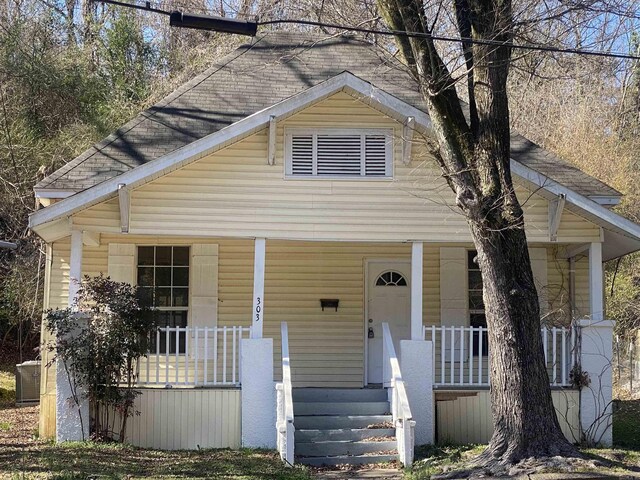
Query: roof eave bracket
(555, 215)
(273, 130)
(407, 139)
(124, 201)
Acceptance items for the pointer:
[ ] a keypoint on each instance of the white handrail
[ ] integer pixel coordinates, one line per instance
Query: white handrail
(461, 351)
(400, 409)
(284, 425)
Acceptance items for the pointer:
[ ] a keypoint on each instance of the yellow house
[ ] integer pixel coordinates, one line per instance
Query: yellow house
(285, 206)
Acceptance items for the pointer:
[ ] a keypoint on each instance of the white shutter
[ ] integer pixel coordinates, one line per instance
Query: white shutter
(339, 155)
(539, 265)
(302, 154)
(453, 294)
(121, 263)
(204, 285)
(375, 155)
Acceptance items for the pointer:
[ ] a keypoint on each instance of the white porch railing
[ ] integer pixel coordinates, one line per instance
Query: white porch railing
(461, 355)
(392, 380)
(284, 422)
(193, 356)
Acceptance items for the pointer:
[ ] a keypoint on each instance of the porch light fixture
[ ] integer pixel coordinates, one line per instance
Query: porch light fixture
(329, 303)
(212, 23)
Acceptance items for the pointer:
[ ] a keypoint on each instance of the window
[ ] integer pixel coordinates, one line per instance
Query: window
(163, 275)
(391, 279)
(476, 304)
(339, 153)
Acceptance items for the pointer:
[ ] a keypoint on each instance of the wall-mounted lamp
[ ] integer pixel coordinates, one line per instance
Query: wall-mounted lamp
(329, 303)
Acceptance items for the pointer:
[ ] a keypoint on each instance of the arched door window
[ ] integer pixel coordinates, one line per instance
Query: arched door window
(391, 278)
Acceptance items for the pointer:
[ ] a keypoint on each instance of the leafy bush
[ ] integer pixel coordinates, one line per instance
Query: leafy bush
(100, 340)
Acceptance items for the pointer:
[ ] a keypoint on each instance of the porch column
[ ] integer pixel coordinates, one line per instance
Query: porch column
(596, 357)
(596, 287)
(258, 288)
(416, 291)
(72, 407)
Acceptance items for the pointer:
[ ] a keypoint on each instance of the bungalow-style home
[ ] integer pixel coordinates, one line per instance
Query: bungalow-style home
(317, 286)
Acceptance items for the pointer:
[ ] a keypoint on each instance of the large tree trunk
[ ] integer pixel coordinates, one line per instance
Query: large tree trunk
(474, 157)
(524, 419)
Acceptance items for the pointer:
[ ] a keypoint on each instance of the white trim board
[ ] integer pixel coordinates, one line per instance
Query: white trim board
(346, 81)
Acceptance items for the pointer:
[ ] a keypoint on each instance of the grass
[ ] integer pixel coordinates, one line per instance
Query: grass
(433, 459)
(7, 386)
(626, 424)
(116, 461)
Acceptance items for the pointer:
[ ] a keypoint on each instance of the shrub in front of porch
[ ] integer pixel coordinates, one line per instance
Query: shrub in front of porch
(99, 340)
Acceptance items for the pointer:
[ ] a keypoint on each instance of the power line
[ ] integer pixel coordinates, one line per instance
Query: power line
(497, 43)
(214, 23)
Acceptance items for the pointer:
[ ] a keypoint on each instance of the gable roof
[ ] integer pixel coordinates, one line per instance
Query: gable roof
(274, 67)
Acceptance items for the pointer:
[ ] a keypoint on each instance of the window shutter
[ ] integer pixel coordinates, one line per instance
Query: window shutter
(204, 285)
(121, 263)
(375, 155)
(453, 294)
(539, 265)
(339, 154)
(302, 154)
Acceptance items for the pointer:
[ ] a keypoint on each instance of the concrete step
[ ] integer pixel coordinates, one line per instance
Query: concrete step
(339, 395)
(333, 449)
(346, 460)
(341, 408)
(352, 434)
(332, 422)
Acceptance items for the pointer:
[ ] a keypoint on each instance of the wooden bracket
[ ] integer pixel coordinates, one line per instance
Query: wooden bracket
(273, 129)
(555, 215)
(124, 201)
(407, 139)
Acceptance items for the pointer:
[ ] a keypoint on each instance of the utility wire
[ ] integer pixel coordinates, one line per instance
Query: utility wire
(402, 33)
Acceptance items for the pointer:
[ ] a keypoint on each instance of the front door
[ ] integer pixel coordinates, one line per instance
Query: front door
(389, 300)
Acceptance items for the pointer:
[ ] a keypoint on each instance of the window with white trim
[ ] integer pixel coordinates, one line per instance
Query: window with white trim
(477, 317)
(163, 276)
(339, 153)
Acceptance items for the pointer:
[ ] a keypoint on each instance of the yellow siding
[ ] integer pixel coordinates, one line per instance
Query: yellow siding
(234, 192)
(468, 418)
(327, 347)
(186, 419)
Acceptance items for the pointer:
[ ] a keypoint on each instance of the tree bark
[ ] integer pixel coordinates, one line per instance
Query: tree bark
(475, 162)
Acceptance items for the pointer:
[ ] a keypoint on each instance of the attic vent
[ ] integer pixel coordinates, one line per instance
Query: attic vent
(344, 153)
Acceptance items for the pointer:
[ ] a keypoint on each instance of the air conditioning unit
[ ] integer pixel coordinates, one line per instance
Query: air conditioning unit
(28, 383)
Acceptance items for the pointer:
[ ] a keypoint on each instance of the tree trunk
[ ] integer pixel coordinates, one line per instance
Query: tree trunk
(474, 156)
(524, 419)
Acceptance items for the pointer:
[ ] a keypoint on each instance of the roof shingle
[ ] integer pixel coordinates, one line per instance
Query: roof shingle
(272, 68)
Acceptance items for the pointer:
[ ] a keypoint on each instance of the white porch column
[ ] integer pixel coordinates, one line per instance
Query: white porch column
(416, 363)
(258, 288)
(72, 408)
(596, 356)
(596, 285)
(258, 393)
(416, 290)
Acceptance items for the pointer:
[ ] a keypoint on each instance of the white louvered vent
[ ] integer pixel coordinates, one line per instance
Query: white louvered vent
(302, 155)
(346, 153)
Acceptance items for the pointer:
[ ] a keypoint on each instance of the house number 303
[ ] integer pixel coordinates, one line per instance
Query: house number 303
(258, 308)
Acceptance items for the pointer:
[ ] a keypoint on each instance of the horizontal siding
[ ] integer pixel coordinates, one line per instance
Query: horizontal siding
(327, 347)
(467, 419)
(186, 419)
(235, 193)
